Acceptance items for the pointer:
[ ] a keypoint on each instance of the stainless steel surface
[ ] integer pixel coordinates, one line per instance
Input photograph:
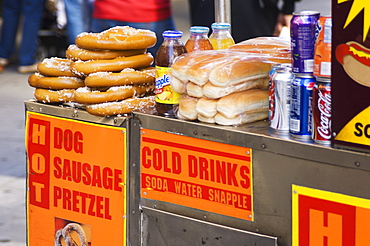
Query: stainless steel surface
(223, 11)
(69, 112)
(278, 163)
(133, 191)
(163, 228)
(258, 136)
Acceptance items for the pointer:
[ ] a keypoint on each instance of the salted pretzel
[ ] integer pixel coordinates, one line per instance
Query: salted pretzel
(121, 107)
(74, 53)
(84, 68)
(86, 95)
(56, 83)
(117, 38)
(65, 234)
(127, 76)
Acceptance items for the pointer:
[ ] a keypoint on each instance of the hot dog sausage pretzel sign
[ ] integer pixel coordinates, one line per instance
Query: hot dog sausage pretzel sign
(351, 74)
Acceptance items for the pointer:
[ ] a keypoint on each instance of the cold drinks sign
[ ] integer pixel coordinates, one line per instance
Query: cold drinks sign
(196, 173)
(76, 182)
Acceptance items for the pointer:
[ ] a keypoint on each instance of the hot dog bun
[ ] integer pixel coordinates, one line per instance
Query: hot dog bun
(244, 118)
(187, 107)
(206, 108)
(214, 92)
(236, 71)
(253, 100)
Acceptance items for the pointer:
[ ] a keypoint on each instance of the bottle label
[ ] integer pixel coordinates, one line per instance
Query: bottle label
(163, 89)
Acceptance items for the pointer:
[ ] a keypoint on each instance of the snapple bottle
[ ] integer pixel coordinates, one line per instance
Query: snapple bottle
(198, 39)
(166, 98)
(221, 37)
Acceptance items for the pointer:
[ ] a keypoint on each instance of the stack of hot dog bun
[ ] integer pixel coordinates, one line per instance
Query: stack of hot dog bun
(110, 71)
(228, 87)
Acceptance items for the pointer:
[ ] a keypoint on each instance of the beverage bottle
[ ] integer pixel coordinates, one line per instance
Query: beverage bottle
(198, 39)
(221, 37)
(166, 98)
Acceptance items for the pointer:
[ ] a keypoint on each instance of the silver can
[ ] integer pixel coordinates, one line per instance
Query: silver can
(279, 99)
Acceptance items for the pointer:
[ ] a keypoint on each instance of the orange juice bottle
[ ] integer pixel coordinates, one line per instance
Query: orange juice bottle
(221, 37)
(198, 39)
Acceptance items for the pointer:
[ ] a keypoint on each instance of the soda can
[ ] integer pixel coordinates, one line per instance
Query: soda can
(322, 58)
(303, 37)
(279, 99)
(300, 120)
(321, 111)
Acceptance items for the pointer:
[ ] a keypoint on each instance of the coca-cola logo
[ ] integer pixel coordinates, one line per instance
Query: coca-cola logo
(324, 106)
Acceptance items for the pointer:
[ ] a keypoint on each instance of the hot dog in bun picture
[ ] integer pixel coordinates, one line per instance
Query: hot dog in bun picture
(355, 60)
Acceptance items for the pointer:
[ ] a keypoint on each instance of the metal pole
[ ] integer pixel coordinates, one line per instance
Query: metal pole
(223, 11)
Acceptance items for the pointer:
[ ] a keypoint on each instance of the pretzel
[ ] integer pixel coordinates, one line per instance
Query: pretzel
(122, 107)
(117, 38)
(128, 76)
(54, 96)
(112, 65)
(55, 67)
(65, 234)
(85, 95)
(74, 53)
(56, 83)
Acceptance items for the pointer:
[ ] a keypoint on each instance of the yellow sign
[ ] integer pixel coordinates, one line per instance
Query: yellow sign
(76, 182)
(322, 218)
(357, 130)
(196, 173)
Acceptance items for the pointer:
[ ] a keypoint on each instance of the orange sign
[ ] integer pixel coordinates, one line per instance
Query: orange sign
(196, 173)
(76, 182)
(322, 218)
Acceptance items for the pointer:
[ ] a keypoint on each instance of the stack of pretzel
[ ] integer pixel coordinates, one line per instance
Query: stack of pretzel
(108, 72)
(228, 87)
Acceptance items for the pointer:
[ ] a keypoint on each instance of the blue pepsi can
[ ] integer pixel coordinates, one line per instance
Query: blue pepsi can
(300, 117)
(303, 36)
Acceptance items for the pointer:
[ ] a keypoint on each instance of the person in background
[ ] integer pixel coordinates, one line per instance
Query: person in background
(79, 17)
(13, 10)
(154, 15)
(249, 18)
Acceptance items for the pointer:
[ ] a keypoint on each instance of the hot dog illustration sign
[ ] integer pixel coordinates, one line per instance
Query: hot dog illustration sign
(76, 182)
(351, 74)
(197, 173)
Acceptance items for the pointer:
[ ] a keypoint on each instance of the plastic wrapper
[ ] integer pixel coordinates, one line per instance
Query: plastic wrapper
(237, 75)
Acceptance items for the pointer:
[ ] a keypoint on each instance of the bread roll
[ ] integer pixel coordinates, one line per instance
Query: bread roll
(247, 117)
(207, 107)
(235, 71)
(214, 92)
(270, 49)
(178, 85)
(194, 90)
(187, 108)
(262, 44)
(205, 119)
(199, 72)
(182, 63)
(238, 103)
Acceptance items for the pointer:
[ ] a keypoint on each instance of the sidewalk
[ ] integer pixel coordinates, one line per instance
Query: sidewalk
(14, 90)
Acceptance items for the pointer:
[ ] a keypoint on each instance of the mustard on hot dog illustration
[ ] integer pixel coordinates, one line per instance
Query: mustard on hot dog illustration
(355, 59)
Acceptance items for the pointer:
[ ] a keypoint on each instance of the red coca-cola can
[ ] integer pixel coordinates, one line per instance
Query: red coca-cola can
(321, 111)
